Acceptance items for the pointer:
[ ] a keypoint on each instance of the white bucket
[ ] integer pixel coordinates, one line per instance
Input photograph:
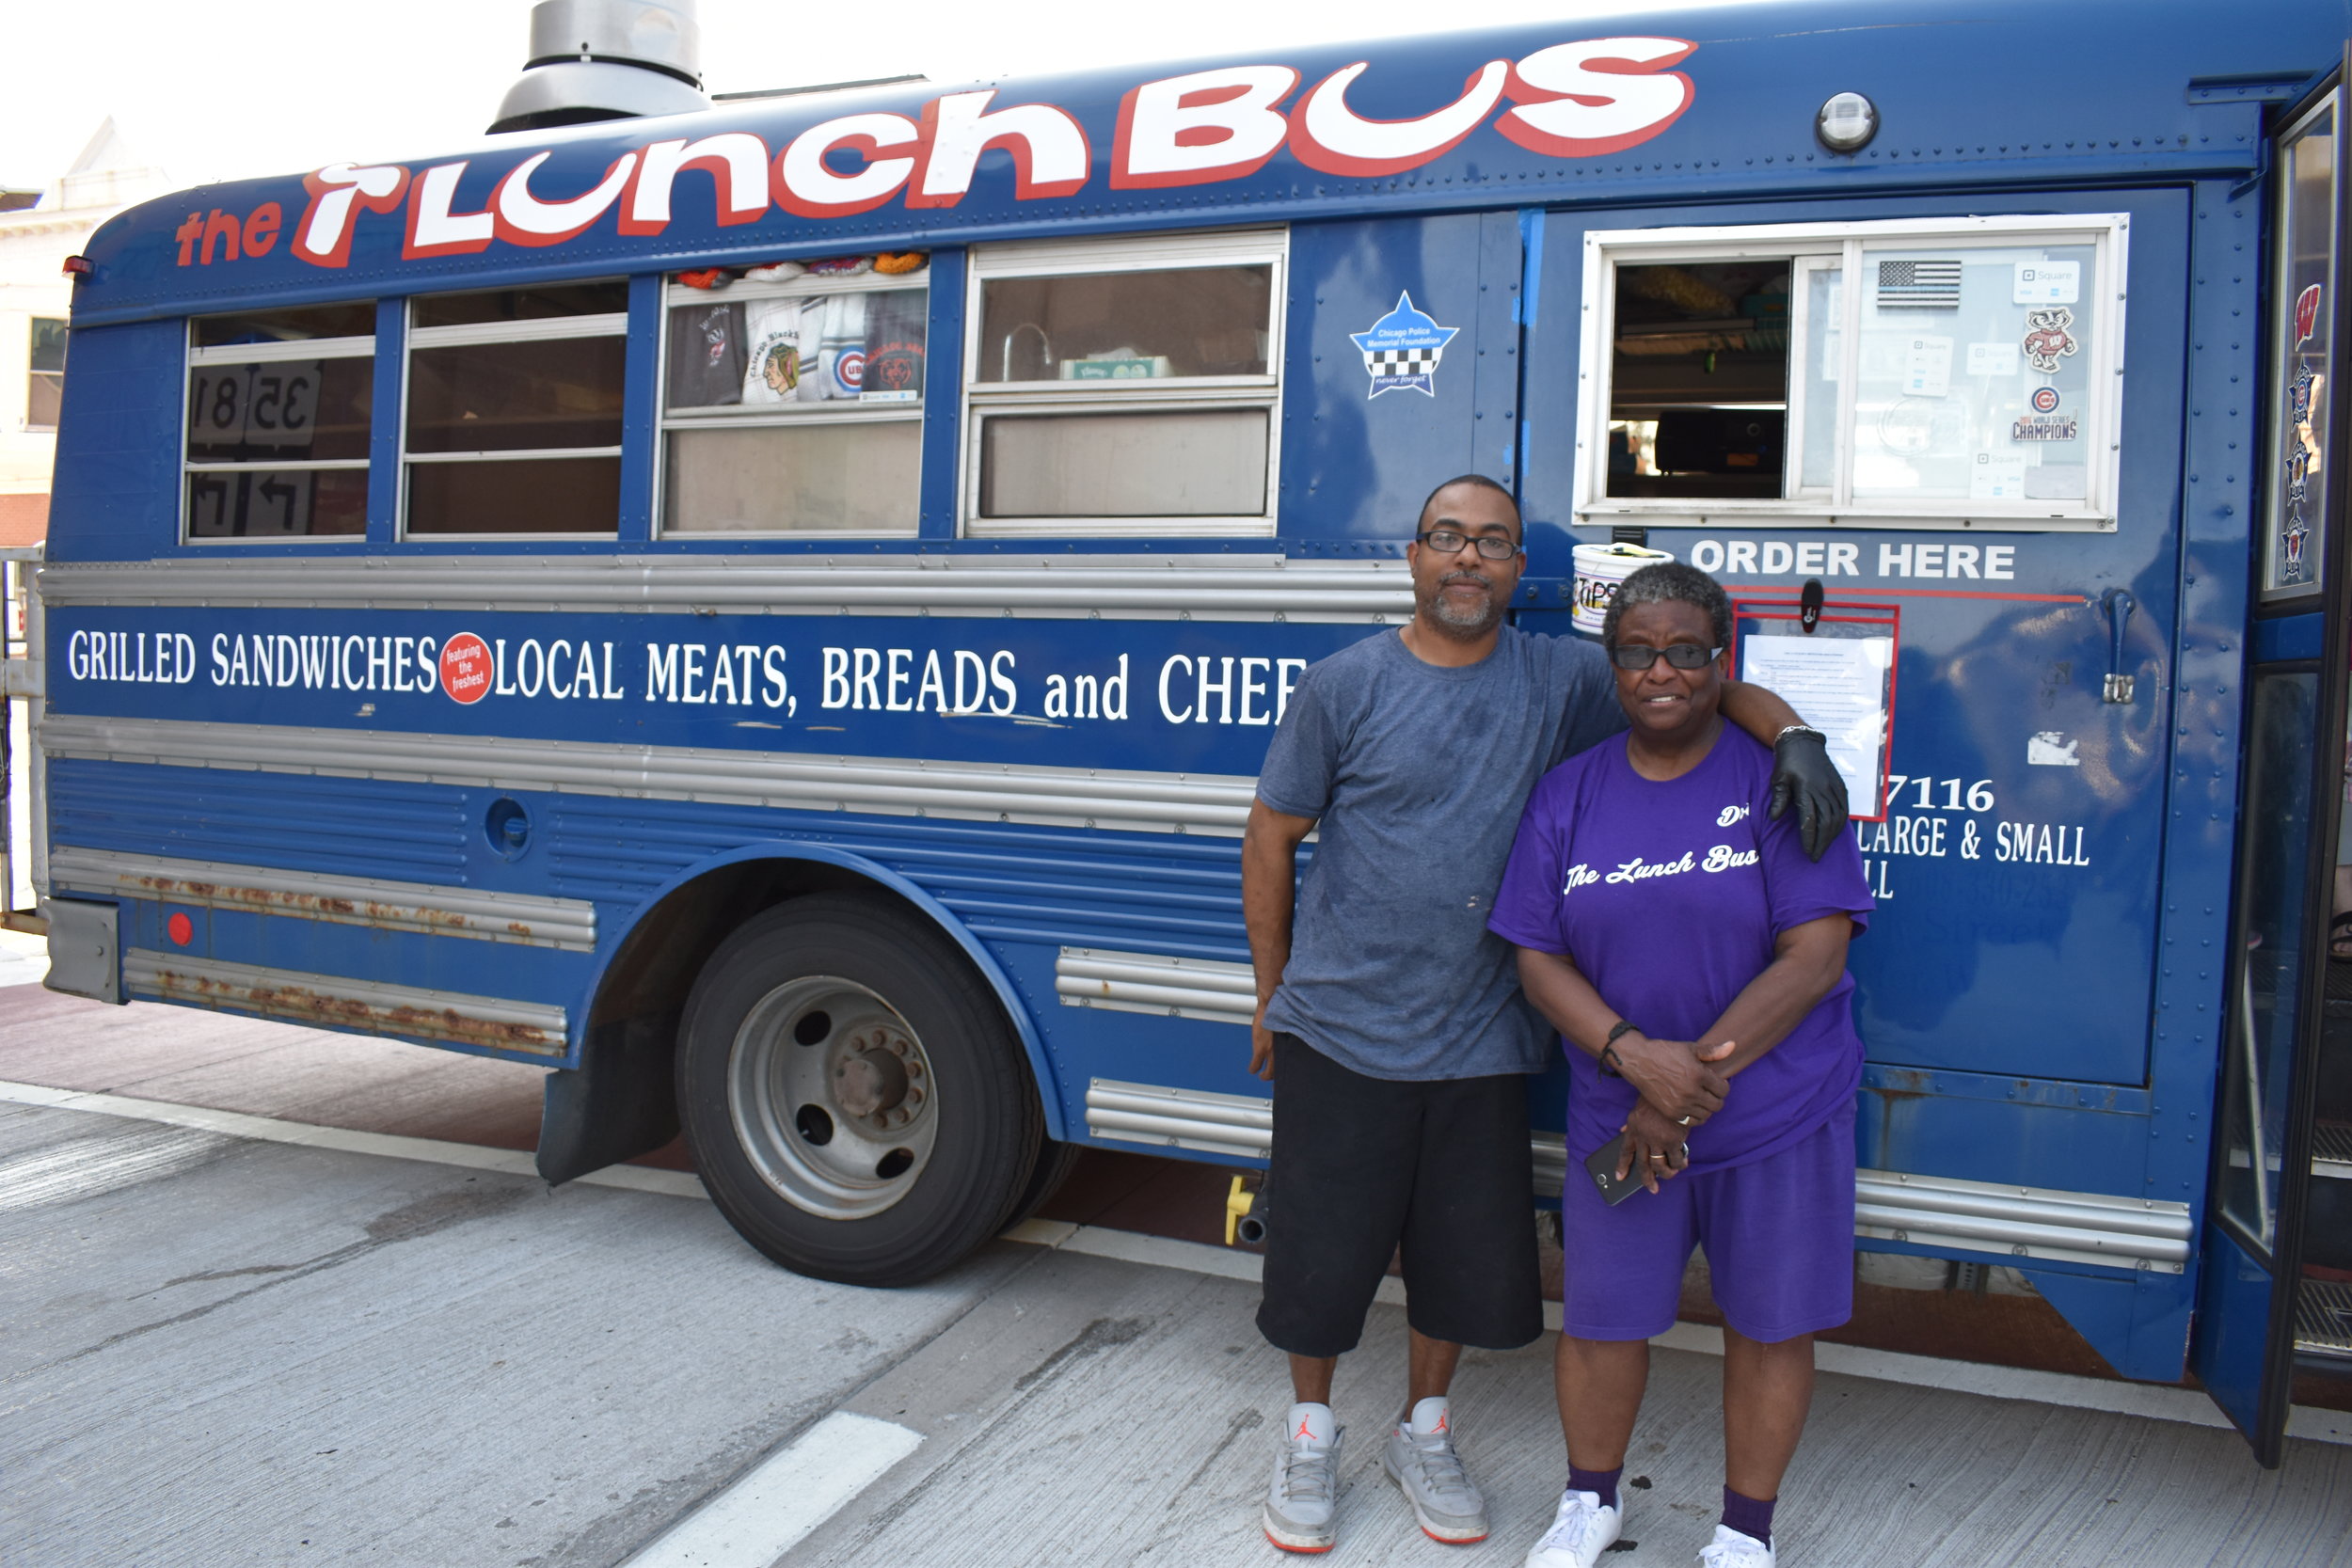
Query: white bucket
(1600, 570)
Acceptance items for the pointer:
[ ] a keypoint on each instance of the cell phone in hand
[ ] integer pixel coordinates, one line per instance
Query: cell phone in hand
(1602, 1164)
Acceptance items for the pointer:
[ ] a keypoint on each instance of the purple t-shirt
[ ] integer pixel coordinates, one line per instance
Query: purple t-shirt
(1669, 897)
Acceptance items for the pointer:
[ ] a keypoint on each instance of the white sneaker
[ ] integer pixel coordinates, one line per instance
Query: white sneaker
(1581, 1531)
(1302, 1500)
(1731, 1549)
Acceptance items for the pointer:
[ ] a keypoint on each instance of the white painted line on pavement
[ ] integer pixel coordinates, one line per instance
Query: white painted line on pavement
(2151, 1400)
(672, 1183)
(784, 1497)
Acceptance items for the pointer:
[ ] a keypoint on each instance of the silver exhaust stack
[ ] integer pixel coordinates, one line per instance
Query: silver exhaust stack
(605, 60)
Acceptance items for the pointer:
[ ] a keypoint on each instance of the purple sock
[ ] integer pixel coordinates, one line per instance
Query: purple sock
(1602, 1482)
(1748, 1516)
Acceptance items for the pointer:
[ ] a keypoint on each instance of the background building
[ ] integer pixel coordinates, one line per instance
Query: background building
(39, 229)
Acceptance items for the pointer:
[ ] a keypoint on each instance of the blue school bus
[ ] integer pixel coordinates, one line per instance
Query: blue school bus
(772, 611)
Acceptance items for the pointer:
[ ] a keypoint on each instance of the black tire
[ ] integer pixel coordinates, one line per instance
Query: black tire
(1053, 1165)
(790, 1028)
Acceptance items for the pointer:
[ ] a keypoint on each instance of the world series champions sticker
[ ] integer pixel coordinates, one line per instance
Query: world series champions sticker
(1403, 349)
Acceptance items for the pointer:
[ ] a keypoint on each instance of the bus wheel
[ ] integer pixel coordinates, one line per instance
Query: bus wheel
(856, 1102)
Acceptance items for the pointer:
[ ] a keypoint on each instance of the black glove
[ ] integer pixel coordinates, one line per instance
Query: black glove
(1804, 776)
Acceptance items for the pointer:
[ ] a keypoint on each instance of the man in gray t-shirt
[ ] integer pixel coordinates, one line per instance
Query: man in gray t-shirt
(1389, 1018)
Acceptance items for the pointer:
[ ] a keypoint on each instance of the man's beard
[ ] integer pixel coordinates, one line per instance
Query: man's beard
(1458, 623)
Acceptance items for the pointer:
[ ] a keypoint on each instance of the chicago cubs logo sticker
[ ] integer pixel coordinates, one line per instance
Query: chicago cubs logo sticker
(465, 668)
(2045, 400)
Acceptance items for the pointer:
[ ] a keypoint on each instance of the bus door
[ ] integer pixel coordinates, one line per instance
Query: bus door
(1907, 436)
(2276, 1292)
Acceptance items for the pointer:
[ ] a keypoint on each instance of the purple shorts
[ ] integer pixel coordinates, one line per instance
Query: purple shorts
(1778, 1234)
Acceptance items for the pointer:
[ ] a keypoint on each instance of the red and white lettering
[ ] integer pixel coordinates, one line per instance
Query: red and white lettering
(1327, 134)
(1207, 126)
(806, 187)
(338, 193)
(1583, 99)
(1050, 155)
(737, 161)
(436, 230)
(522, 218)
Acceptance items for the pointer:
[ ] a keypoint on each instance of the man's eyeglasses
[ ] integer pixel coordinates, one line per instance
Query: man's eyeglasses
(1446, 541)
(1682, 655)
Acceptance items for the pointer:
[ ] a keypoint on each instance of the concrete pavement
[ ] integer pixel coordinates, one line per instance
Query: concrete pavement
(219, 1350)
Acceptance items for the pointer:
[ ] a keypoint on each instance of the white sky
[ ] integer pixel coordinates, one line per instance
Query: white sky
(276, 87)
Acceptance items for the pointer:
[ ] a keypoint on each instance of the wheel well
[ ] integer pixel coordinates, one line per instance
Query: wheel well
(647, 982)
(621, 1100)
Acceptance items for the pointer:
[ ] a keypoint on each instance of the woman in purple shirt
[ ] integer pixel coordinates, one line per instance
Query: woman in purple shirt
(1694, 962)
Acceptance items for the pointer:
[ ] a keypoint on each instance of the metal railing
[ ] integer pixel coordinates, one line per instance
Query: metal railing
(21, 781)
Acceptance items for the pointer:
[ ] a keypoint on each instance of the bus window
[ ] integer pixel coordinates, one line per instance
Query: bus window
(794, 405)
(276, 439)
(1969, 376)
(513, 418)
(1699, 398)
(1117, 384)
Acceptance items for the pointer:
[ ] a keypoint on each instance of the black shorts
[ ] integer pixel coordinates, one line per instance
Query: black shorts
(1364, 1166)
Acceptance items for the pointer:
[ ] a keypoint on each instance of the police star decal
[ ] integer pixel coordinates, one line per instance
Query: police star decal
(1403, 349)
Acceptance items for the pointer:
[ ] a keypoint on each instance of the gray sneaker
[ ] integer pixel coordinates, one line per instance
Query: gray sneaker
(1302, 1500)
(1421, 1458)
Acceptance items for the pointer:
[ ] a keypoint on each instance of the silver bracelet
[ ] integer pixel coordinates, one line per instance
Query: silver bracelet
(1787, 730)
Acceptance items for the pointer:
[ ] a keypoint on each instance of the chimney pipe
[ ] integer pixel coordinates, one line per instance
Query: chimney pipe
(605, 60)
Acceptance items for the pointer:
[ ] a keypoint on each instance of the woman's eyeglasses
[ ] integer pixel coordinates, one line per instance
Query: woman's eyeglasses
(1446, 541)
(1682, 655)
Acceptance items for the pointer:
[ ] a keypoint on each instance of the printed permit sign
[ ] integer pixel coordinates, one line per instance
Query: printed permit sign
(2047, 283)
(1841, 677)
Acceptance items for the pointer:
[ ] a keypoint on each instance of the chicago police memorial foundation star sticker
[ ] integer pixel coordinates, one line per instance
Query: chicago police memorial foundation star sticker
(1403, 349)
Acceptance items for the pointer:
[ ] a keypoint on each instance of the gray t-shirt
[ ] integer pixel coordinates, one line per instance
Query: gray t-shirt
(1418, 774)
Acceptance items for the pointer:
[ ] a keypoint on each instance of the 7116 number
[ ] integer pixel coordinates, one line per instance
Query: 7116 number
(1979, 797)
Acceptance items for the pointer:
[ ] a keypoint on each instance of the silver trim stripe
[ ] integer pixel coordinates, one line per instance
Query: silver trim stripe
(1937, 1211)
(525, 919)
(1154, 983)
(1237, 1124)
(1193, 585)
(1067, 797)
(2023, 1222)
(370, 1006)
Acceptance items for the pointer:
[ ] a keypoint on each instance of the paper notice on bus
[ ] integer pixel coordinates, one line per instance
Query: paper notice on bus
(1840, 684)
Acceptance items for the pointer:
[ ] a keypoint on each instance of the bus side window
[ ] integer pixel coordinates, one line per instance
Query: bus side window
(514, 422)
(793, 403)
(277, 431)
(1125, 386)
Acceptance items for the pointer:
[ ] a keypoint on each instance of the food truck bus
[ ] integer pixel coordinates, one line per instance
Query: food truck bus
(772, 612)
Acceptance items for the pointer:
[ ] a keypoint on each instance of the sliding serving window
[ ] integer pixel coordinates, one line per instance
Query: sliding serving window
(514, 411)
(276, 432)
(1916, 374)
(794, 408)
(1123, 385)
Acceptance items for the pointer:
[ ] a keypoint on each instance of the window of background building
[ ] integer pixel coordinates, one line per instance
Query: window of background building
(1123, 385)
(277, 410)
(795, 405)
(45, 389)
(514, 410)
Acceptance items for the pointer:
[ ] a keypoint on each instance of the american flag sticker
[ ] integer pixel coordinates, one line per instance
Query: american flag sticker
(1918, 286)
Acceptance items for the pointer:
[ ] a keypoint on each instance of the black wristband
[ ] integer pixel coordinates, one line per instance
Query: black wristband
(1608, 1063)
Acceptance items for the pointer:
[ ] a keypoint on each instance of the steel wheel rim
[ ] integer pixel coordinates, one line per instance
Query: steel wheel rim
(832, 1099)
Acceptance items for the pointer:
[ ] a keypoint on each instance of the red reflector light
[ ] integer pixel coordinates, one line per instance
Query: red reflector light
(80, 265)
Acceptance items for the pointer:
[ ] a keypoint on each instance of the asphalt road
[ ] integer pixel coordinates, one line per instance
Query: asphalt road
(219, 1350)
